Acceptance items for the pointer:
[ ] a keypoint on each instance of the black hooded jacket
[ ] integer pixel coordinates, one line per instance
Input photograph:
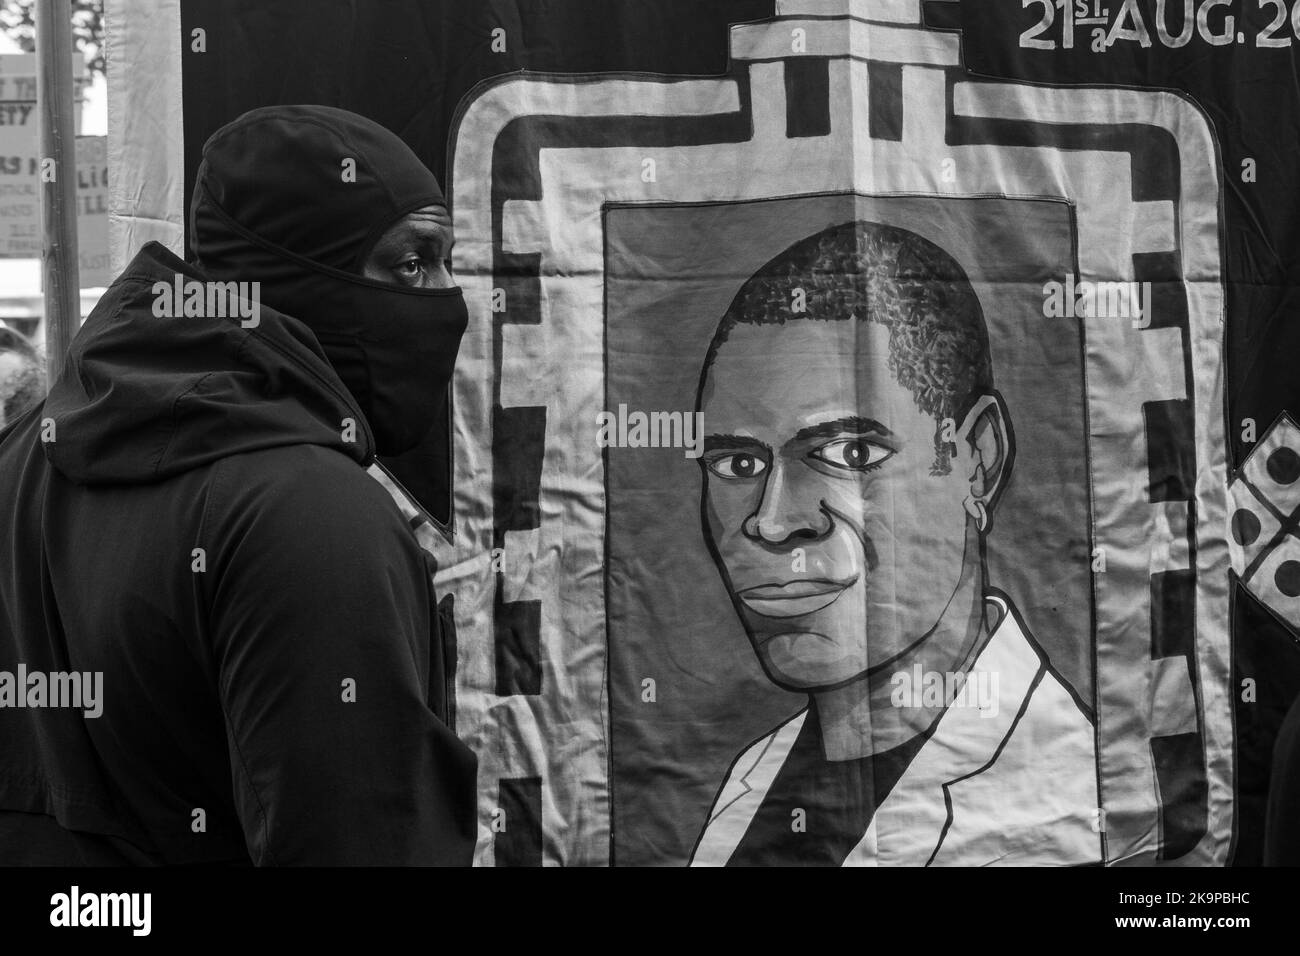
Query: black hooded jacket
(196, 529)
(185, 516)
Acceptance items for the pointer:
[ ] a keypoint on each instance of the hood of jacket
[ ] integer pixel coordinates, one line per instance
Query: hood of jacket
(148, 393)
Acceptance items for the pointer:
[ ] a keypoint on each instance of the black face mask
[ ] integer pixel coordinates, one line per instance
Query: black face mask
(270, 204)
(394, 348)
(395, 352)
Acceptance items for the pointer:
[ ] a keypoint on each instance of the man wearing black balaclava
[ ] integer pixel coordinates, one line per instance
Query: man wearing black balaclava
(219, 641)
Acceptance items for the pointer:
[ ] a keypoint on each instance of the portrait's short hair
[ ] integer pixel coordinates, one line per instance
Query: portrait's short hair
(938, 342)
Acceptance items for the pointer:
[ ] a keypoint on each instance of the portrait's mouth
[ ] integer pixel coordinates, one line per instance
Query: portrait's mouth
(794, 598)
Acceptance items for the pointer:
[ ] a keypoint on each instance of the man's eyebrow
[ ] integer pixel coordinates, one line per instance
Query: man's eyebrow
(731, 441)
(849, 425)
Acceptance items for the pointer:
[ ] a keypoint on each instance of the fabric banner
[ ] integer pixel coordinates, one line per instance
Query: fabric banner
(873, 439)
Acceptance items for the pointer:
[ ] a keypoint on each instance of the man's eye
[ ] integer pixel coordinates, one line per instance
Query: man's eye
(738, 465)
(410, 268)
(855, 454)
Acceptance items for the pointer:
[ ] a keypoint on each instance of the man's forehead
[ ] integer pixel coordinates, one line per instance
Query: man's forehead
(435, 215)
(430, 222)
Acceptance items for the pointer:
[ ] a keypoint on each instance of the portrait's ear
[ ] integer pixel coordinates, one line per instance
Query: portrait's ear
(986, 432)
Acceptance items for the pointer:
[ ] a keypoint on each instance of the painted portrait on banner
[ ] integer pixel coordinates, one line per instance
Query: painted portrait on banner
(873, 521)
(857, 447)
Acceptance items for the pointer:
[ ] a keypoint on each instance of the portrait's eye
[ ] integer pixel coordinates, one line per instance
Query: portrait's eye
(410, 269)
(737, 465)
(853, 454)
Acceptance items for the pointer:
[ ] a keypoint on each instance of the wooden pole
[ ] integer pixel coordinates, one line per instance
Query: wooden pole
(58, 154)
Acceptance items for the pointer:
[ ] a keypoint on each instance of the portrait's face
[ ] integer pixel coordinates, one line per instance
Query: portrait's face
(839, 548)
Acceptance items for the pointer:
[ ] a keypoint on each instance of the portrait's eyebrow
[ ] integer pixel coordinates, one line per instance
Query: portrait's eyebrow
(850, 425)
(712, 442)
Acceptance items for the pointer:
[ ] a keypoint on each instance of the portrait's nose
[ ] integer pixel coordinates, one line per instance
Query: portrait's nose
(787, 510)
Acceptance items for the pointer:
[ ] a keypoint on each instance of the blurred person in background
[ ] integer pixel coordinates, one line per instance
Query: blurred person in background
(22, 375)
